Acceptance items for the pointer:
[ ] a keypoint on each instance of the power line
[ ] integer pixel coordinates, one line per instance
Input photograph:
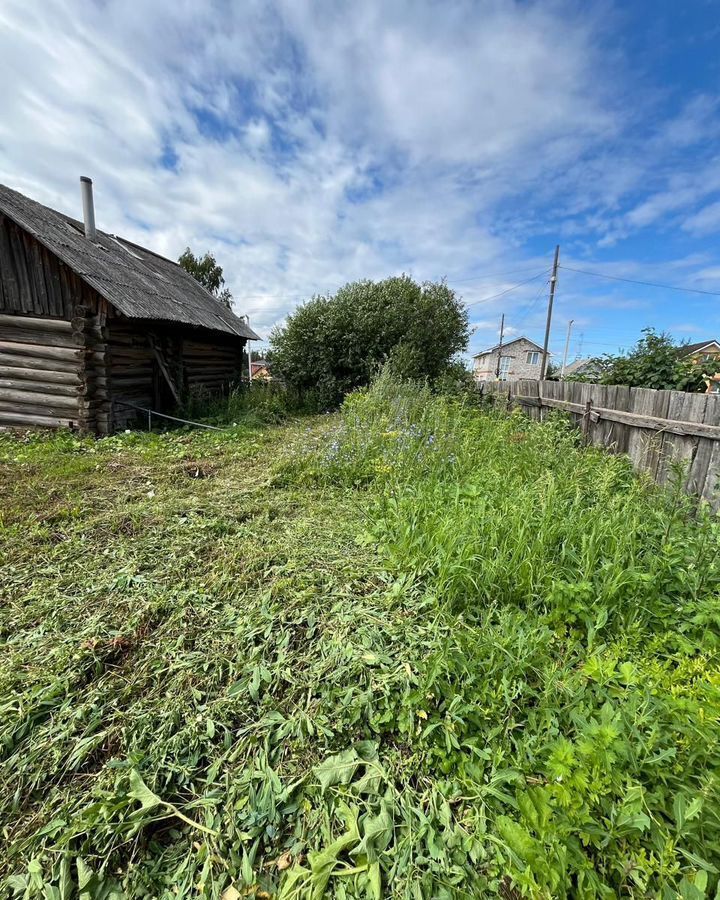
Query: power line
(490, 275)
(507, 290)
(667, 287)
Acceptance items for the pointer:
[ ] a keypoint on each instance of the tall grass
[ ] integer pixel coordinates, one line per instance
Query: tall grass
(430, 652)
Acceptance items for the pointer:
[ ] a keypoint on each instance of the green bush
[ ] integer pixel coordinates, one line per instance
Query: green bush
(332, 345)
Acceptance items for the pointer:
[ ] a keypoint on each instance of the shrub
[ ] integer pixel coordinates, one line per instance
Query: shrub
(332, 345)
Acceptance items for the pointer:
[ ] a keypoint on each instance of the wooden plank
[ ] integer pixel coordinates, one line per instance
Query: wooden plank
(35, 268)
(21, 268)
(708, 450)
(8, 273)
(653, 453)
(636, 419)
(678, 450)
(164, 369)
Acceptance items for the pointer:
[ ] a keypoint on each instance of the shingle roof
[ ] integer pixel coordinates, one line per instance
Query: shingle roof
(576, 367)
(507, 344)
(137, 282)
(688, 349)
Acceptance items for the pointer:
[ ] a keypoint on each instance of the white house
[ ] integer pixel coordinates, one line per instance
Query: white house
(520, 358)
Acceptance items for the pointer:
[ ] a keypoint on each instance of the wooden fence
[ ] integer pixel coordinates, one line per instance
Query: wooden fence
(657, 429)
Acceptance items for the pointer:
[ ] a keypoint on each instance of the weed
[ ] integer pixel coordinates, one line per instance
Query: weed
(412, 650)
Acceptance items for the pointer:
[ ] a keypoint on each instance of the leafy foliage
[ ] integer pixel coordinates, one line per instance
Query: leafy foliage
(332, 345)
(655, 362)
(431, 652)
(206, 270)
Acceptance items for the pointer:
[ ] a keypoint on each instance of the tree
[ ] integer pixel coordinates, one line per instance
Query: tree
(655, 362)
(210, 275)
(334, 344)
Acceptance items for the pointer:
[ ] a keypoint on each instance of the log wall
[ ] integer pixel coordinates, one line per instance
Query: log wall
(211, 365)
(661, 431)
(67, 359)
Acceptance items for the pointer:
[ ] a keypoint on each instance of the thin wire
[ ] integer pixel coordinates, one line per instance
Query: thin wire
(667, 287)
(507, 290)
(531, 305)
(489, 275)
(450, 279)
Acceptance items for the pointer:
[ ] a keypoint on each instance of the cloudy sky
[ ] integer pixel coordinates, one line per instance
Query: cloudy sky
(310, 143)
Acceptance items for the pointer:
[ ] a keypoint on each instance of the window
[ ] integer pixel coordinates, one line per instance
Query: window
(533, 358)
(504, 368)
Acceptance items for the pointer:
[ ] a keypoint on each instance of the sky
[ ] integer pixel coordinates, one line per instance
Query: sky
(308, 144)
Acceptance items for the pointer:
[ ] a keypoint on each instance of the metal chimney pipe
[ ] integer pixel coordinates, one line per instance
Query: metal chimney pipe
(88, 207)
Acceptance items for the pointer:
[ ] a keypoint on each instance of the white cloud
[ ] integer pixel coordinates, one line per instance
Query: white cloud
(308, 144)
(705, 221)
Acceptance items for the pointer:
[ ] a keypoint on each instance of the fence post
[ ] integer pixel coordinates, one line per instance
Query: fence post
(149, 421)
(586, 421)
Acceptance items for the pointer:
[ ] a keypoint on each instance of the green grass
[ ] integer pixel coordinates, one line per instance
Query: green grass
(412, 650)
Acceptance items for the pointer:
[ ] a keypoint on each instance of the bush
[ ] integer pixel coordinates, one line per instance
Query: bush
(333, 345)
(655, 362)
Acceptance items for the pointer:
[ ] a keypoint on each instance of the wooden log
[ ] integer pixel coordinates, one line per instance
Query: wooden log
(35, 336)
(44, 387)
(32, 420)
(33, 322)
(10, 395)
(14, 361)
(43, 351)
(49, 376)
(40, 409)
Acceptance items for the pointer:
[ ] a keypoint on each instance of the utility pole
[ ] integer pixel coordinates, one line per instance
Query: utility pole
(502, 332)
(553, 282)
(567, 347)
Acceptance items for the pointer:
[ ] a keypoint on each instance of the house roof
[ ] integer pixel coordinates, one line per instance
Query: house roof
(577, 366)
(508, 344)
(136, 281)
(689, 349)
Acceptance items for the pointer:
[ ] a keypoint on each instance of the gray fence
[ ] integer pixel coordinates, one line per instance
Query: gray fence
(655, 428)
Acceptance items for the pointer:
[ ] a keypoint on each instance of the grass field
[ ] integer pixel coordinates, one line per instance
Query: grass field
(411, 650)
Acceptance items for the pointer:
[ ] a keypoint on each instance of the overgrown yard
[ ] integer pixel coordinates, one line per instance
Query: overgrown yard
(415, 650)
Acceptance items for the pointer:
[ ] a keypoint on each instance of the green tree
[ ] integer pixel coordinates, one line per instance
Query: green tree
(334, 344)
(655, 362)
(206, 270)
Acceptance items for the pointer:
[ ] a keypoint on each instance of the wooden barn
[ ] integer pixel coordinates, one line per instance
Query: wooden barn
(93, 326)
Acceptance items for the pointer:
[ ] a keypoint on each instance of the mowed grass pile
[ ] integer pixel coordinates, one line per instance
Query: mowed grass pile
(415, 650)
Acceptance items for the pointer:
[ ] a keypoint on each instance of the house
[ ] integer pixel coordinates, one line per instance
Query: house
(582, 368)
(704, 352)
(701, 351)
(520, 358)
(260, 369)
(93, 326)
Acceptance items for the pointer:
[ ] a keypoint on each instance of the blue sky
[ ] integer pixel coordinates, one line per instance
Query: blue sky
(308, 144)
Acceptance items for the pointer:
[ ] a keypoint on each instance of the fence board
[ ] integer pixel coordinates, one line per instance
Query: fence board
(659, 430)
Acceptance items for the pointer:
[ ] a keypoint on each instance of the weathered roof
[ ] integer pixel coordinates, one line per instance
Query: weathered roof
(689, 349)
(578, 366)
(139, 283)
(507, 344)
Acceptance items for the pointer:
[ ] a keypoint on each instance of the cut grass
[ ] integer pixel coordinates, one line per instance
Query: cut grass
(414, 651)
